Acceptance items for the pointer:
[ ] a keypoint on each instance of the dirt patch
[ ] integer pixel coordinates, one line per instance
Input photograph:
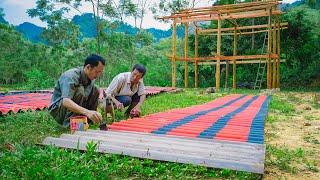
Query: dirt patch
(298, 132)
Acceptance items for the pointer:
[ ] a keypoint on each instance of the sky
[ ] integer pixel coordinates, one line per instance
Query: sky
(15, 13)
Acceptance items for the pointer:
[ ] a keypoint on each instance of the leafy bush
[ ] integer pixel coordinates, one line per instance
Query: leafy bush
(38, 79)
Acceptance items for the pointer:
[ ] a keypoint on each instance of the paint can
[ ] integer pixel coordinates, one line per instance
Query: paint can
(78, 123)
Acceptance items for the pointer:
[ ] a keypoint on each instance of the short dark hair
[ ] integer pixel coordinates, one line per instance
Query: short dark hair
(140, 68)
(94, 60)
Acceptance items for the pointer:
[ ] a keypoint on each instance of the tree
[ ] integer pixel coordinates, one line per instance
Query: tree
(313, 3)
(301, 43)
(60, 31)
(2, 20)
(165, 7)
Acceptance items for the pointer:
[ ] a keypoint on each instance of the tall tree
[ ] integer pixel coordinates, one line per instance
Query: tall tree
(2, 20)
(60, 30)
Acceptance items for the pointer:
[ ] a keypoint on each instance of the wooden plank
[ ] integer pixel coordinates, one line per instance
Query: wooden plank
(232, 16)
(239, 33)
(204, 31)
(229, 58)
(179, 139)
(249, 157)
(212, 161)
(229, 6)
(209, 9)
(168, 141)
(245, 9)
(240, 62)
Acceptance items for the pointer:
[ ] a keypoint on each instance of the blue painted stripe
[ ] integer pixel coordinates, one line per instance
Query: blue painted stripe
(258, 121)
(166, 128)
(221, 122)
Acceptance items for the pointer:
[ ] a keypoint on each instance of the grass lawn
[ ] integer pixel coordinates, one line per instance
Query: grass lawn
(20, 156)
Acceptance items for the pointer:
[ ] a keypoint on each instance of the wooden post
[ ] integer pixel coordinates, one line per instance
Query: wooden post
(186, 55)
(227, 75)
(218, 54)
(278, 52)
(173, 60)
(196, 83)
(269, 50)
(253, 35)
(235, 40)
(274, 50)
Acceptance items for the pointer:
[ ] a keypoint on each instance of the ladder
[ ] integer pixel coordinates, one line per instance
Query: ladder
(261, 68)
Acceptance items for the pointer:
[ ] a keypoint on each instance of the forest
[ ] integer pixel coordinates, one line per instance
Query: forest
(64, 44)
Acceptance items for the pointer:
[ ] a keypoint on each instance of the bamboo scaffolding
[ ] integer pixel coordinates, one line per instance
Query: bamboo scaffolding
(231, 13)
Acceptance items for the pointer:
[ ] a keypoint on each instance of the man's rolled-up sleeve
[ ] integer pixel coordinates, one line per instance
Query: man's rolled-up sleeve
(114, 87)
(68, 87)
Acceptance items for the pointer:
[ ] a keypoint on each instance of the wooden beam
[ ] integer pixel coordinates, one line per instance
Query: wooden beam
(196, 78)
(253, 35)
(278, 52)
(274, 50)
(186, 56)
(257, 61)
(218, 54)
(239, 33)
(174, 50)
(227, 75)
(203, 31)
(269, 50)
(232, 16)
(228, 6)
(234, 71)
(245, 9)
(227, 58)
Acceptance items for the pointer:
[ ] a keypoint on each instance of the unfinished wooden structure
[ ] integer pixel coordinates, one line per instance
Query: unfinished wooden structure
(231, 13)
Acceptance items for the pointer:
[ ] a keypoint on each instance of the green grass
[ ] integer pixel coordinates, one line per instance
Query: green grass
(311, 139)
(283, 158)
(27, 160)
(281, 106)
(280, 110)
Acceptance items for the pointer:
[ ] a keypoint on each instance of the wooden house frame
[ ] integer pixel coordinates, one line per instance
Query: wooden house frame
(231, 13)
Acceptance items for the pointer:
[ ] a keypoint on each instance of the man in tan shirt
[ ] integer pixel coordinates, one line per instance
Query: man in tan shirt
(127, 89)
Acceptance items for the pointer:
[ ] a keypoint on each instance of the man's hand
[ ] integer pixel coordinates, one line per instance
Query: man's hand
(94, 116)
(119, 105)
(135, 112)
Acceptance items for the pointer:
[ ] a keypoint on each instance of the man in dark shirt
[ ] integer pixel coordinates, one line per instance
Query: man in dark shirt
(76, 94)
